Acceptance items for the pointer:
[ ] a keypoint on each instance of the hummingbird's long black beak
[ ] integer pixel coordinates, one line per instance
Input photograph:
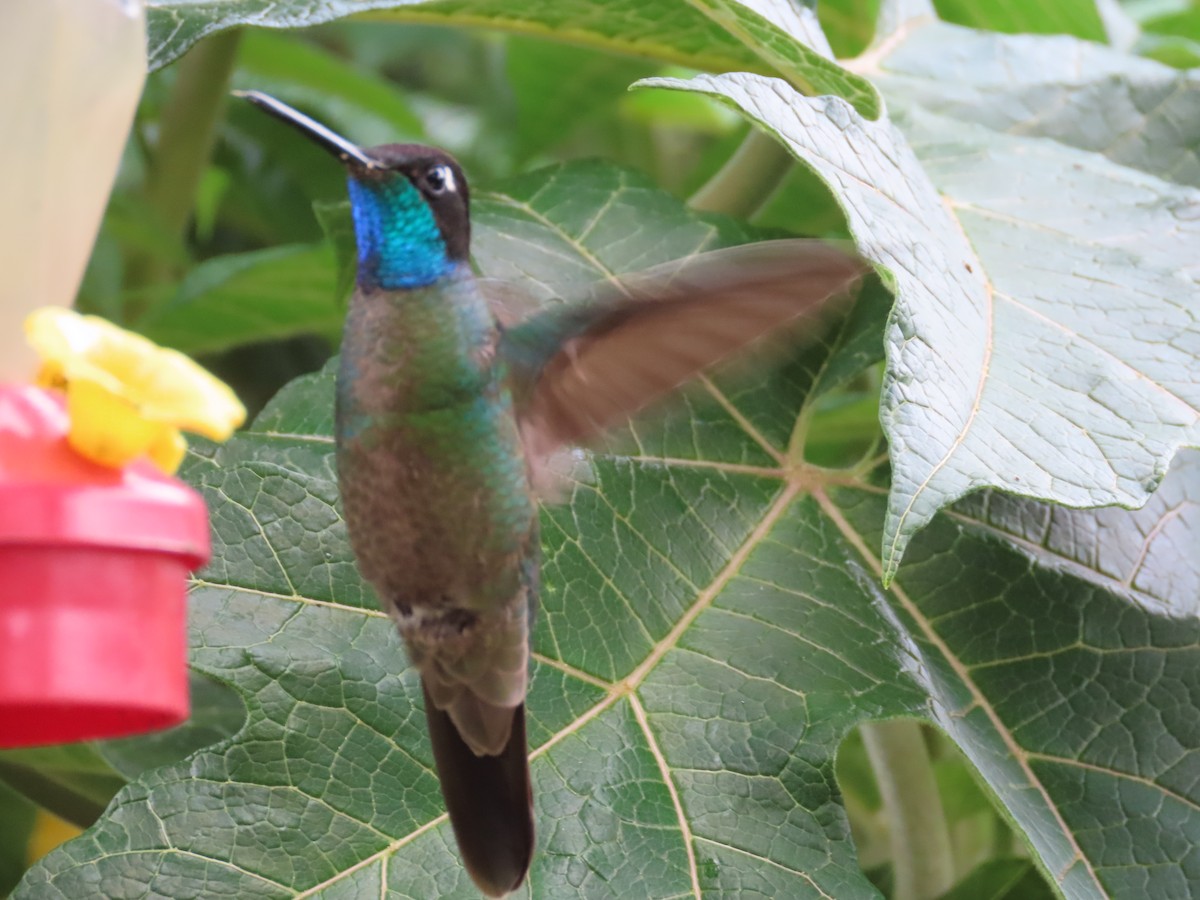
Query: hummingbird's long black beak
(313, 130)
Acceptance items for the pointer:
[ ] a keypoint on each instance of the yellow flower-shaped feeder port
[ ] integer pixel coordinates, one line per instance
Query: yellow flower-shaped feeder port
(126, 396)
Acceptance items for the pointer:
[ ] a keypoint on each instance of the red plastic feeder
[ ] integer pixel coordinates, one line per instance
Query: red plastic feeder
(93, 576)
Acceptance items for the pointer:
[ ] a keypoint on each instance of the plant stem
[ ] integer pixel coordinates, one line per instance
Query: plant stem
(187, 129)
(922, 855)
(748, 178)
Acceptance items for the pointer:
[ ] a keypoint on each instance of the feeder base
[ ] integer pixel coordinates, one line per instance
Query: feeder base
(93, 641)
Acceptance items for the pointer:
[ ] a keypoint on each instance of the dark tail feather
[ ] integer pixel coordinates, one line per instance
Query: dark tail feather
(489, 800)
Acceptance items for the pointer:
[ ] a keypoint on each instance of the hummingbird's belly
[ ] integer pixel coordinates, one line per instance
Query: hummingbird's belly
(438, 506)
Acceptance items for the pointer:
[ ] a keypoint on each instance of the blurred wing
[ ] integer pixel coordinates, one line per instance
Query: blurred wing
(580, 369)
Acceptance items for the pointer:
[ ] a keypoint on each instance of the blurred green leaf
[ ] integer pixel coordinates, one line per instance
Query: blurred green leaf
(848, 24)
(101, 290)
(1178, 52)
(718, 35)
(1002, 879)
(72, 781)
(585, 85)
(342, 96)
(661, 108)
(245, 297)
(338, 224)
(1172, 37)
(848, 430)
(131, 220)
(17, 817)
(1074, 17)
(961, 795)
(1184, 23)
(212, 188)
(803, 203)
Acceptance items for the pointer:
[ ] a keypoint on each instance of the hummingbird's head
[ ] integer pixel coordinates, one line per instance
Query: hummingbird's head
(410, 204)
(411, 219)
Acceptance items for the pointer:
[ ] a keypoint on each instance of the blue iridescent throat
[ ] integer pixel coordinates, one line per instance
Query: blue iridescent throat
(399, 244)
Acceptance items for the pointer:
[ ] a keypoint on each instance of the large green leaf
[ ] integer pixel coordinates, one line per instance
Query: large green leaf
(1046, 324)
(716, 35)
(712, 627)
(1136, 112)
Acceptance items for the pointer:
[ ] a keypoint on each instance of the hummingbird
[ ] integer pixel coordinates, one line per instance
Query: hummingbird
(448, 421)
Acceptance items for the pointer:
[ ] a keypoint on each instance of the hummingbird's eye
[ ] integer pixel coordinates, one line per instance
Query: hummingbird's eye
(439, 180)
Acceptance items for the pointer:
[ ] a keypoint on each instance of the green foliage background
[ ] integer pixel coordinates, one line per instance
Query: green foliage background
(759, 592)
